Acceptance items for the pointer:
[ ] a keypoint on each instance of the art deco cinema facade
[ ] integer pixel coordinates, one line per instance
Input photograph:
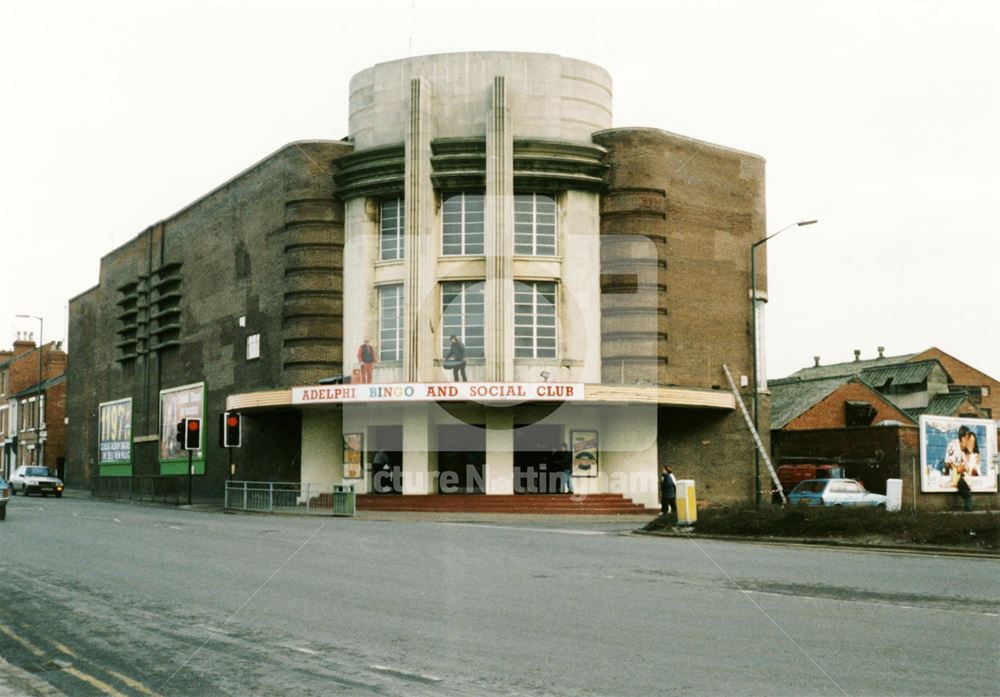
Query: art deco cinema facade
(599, 279)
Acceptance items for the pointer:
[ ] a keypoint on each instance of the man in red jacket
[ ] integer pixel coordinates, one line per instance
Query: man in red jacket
(367, 359)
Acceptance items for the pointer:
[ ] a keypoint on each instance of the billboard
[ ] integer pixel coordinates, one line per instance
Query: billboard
(114, 438)
(952, 447)
(175, 404)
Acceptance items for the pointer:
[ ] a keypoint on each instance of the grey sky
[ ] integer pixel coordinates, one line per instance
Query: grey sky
(878, 118)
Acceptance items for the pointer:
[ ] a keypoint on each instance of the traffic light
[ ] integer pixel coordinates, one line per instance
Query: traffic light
(231, 430)
(192, 434)
(181, 432)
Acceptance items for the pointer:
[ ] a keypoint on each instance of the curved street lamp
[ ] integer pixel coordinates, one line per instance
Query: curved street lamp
(756, 350)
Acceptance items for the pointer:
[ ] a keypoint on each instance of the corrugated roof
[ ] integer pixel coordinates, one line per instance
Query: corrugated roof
(849, 369)
(900, 374)
(791, 397)
(941, 405)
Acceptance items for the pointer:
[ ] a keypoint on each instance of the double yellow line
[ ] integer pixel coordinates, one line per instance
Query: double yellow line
(70, 669)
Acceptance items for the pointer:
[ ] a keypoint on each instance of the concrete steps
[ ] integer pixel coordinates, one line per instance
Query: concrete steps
(529, 504)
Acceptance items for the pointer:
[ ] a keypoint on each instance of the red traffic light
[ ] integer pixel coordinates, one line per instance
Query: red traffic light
(192, 435)
(230, 430)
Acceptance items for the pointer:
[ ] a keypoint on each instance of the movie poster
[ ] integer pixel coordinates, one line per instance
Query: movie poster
(114, 439)
(953, 447)
(175, 404)
(583, 445)
(354, 449)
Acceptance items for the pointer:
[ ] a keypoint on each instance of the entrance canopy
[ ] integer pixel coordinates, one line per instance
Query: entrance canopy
(483, 392)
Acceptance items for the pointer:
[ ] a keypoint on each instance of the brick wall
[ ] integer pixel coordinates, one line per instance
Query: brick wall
(830, 412)
(231, 254)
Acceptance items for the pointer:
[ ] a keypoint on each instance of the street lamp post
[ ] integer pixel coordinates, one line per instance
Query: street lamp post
(756, 350)
(38, 390)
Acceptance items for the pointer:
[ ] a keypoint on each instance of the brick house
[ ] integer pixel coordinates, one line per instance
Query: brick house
(33, 435)
(864, 414)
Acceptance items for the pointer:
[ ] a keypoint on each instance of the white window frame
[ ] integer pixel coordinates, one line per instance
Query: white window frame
(462, 222)
(475, 342)
(532, 229)
(253, 347)
(392, 227)
(532, 329)
(390, 328)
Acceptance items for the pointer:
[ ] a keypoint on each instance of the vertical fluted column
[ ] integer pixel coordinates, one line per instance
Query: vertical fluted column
(499, 238)
(419, 282)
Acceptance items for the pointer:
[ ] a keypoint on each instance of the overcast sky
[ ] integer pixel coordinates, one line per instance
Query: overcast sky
(881, 119)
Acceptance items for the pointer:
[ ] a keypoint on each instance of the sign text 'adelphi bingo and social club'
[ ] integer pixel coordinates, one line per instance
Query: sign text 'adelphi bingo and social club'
(440, 392)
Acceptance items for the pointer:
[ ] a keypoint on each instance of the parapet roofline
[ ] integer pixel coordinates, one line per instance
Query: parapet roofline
(225, 184)
(694, 141)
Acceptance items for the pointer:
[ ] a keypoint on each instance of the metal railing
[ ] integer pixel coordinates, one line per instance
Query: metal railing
(290, 498)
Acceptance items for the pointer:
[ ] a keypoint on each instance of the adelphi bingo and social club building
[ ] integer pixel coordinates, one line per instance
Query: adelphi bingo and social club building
(598, 277)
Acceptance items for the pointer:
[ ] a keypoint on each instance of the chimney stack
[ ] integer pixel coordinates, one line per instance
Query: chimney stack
(857, 355)
(881, 351)
(816, 361)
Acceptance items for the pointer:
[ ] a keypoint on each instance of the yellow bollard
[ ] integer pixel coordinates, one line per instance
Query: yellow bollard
(687, 504)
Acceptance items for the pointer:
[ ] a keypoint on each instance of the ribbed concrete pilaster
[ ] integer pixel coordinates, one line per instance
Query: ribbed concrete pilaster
(499, 238)
(419, 200)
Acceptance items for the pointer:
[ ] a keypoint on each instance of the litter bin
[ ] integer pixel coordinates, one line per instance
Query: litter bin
(687, 509)
(343, 499)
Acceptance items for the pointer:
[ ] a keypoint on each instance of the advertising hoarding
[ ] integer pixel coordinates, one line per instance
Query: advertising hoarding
(114, 438)
(952, 447)
(176, 404)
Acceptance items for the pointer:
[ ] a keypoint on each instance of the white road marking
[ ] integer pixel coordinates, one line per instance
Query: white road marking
(406, 673)
(300, 649)
(22, 641)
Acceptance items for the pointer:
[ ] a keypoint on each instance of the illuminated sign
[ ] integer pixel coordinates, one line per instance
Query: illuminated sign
(440, 392)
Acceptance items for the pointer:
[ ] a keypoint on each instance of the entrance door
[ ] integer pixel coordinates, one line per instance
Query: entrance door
(461, 459)
(534, 470)
(386, 453)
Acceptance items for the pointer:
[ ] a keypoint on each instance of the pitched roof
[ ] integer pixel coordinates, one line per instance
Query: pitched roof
(941, 405)
(850, 368)
(900, 374)
(31, 391)
(791, 397)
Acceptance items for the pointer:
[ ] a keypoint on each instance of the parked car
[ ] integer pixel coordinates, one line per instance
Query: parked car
(27, 479)
(5, 491)
(834, 492)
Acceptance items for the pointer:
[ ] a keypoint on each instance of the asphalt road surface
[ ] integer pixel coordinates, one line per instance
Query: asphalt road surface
(117, 599)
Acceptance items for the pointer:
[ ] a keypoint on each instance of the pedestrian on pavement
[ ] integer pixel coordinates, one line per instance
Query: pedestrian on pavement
(456, 359)
(564, 463)
(367, 358)
(668, 493)
(964, 492)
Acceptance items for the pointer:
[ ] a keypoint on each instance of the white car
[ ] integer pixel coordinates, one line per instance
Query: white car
(27, 480)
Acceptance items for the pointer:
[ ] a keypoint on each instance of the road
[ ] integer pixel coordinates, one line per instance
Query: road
(117, 599)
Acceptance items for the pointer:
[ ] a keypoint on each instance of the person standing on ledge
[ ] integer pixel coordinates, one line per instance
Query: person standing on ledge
(456, 359)
(367, 359)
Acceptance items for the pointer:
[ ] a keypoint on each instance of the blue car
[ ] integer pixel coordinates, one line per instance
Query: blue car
(834, 492)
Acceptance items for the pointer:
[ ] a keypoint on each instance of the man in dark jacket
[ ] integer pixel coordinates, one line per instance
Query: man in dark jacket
(564, 461)
(456, 356)
(668, 493)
